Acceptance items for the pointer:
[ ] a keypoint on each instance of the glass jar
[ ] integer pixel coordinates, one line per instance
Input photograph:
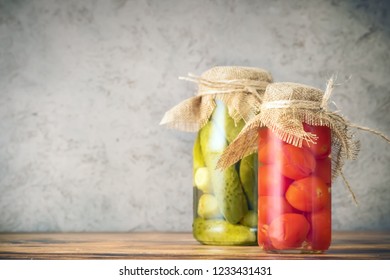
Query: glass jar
(294, 190)
(225, 201)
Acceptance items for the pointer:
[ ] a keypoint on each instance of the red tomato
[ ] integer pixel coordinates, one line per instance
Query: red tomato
(324, 170)
(320, 232)
(271, 181)
(288, 231)
(309, 194)
(322, 147)
(296, 163)
(271, 207)
(262, 237)
(266, 135)
(263, 133)
(270, 152)
(269, 146)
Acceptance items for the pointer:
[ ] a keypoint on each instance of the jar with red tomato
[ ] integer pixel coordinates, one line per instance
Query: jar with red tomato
(294, 192)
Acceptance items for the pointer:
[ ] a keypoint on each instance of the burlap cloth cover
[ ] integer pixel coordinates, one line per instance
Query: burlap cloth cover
(240, 88)
(284, 107)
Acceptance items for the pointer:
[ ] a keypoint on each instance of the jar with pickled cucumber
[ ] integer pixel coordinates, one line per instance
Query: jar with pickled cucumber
(225, 201)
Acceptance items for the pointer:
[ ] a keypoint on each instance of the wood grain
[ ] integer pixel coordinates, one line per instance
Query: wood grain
(159, 245)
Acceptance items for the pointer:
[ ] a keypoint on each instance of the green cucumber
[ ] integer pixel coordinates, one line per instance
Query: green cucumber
(202, 180)
(226, 184)
(248, 179)
(225, 123)
(220, 232)
(197, 156)
(250, 219)
(208, 207)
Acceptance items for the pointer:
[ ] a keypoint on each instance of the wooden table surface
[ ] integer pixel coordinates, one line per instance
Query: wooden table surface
(345, 245)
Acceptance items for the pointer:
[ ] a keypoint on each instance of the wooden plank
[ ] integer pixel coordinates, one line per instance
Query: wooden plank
(159, 245)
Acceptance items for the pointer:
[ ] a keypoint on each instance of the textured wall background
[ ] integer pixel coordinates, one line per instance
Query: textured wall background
(84, 84)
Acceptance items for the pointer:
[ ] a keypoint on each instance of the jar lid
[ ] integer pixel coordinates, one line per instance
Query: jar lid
(292, 91)
(237, 73)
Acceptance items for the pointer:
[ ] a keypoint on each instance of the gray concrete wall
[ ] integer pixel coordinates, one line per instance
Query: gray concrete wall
(84, 84)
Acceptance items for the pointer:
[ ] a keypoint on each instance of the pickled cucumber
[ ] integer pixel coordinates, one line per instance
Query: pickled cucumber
(250, 219)
(248, 179)
(220, 232)
(208, 207)
(197, 155)
(233, 129)
(202, 180)
(212, 141)
(225, 123)
(225, 183)
(229, 193)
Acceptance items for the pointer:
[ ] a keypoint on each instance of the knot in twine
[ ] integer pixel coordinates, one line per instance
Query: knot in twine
(240, 88)
(284, 109)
